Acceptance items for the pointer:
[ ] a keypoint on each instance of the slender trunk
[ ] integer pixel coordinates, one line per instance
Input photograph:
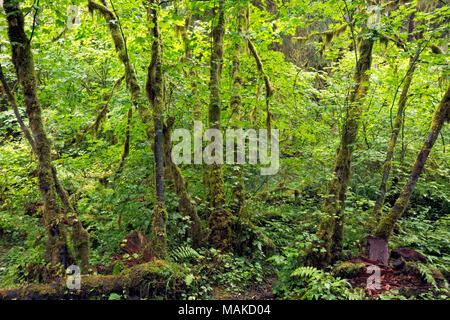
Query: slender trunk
(440, 116)
(220, 220)
(268, 85)
(57, 250)
(155, 95)
(330, 231)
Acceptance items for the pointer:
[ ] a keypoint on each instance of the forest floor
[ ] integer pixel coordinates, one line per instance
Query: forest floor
(260, 291)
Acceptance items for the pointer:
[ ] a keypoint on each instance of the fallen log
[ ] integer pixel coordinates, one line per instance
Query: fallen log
(153, 279)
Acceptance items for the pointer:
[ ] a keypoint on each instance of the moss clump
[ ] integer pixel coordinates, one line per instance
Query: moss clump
(349, 269)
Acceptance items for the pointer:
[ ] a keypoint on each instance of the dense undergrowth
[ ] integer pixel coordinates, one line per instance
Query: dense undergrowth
(290, 222)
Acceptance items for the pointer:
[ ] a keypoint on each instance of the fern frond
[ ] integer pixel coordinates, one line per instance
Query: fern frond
(426, 274)
(184, 253)
(306, 273)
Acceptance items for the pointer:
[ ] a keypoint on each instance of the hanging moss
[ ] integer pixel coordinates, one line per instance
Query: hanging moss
(328, 35)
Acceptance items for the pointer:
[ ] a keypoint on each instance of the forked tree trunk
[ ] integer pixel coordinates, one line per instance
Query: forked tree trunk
(377, 209)
(440, 116)
(330, 232)
(220, 220)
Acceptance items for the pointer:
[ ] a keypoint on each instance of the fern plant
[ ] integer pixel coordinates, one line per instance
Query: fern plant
(306, 273)
(313, 284)
(184, 254)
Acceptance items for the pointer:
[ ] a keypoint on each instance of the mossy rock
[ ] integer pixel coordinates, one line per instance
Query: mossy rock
(349, 269)
(411, 266)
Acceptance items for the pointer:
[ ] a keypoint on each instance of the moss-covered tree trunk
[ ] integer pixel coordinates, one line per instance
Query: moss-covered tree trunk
(237, 182)
(330, 231)
(57, 249)
(148, 280)
(155, 95)
(220, 219)
(441, 115)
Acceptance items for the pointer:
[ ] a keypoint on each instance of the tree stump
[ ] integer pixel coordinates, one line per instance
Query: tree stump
(378, 250)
